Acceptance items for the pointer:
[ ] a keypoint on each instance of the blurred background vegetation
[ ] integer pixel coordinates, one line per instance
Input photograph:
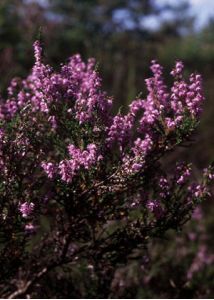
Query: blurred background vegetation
(123, 36)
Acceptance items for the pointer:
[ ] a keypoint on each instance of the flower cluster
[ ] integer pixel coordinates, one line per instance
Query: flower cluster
(26, 209)
(77, 85)
(68, 168)
(84, 159)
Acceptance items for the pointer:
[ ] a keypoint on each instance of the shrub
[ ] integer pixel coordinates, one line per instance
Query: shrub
(83, 191)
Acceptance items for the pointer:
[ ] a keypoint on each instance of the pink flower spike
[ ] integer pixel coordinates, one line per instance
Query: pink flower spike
(26, 209)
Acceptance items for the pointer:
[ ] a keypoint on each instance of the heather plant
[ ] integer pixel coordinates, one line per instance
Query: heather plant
(83, 191)
(179, 266)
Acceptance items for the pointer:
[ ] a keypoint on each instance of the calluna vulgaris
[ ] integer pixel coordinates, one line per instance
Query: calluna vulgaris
(83, 190)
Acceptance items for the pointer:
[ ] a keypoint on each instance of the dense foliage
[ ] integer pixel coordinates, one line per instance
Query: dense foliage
(83, 191)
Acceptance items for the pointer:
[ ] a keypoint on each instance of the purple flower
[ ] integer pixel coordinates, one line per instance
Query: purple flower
(79, 159)
(26, 209)
(155, 207)
(178, 70)
(183, 172)
(49, 168)
(142, 147)
(30, 228)
(37, 51)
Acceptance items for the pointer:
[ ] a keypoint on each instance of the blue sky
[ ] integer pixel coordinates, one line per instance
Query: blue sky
(202, 9)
